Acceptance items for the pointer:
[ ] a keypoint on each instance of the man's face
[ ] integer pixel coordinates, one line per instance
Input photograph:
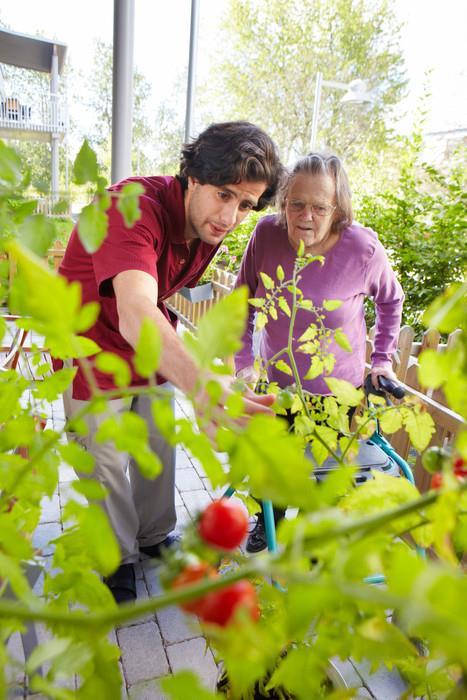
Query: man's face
(212, 211)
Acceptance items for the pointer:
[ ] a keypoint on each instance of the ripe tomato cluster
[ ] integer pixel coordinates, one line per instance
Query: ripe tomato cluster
(222, 525)
(459, 468)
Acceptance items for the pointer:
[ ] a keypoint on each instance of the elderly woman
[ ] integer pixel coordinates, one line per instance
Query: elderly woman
(315, 207)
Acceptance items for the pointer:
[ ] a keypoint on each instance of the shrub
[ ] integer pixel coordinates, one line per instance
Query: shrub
(421, 222)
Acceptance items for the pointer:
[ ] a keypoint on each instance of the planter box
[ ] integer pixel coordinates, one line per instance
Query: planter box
(202, 292)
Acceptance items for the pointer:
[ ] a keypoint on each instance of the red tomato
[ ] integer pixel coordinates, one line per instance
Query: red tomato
(224, 524)
(189, 575)
(460, 466)
(220, 607)
(436, 481)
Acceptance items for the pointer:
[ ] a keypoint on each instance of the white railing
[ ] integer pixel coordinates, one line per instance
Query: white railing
(60, 205)
(46, 113)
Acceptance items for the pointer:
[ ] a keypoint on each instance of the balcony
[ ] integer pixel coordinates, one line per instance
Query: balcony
(37, 121)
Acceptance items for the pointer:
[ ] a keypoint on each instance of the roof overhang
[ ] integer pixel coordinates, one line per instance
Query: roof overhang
(30, 51)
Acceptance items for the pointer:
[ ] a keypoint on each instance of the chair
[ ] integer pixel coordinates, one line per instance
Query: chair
(12, 352)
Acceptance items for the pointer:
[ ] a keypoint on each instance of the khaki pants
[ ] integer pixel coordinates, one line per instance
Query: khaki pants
(141, 511)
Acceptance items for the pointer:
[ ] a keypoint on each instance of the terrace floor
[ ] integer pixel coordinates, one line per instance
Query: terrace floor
(169, 640)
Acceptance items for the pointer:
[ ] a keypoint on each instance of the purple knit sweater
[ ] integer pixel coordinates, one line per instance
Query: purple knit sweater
(356, 267)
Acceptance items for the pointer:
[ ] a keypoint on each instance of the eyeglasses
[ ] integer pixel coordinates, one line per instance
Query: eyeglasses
(319, 209)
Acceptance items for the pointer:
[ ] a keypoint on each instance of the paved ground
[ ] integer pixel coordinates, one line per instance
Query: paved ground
(168, 641)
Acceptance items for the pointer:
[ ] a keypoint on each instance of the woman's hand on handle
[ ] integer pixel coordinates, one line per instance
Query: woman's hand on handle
(381, 372)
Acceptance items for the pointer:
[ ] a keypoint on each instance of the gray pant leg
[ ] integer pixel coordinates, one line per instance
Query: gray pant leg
(154, 499)
(110, 471)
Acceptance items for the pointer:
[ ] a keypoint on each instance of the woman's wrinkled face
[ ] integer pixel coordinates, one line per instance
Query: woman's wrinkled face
(310, 209)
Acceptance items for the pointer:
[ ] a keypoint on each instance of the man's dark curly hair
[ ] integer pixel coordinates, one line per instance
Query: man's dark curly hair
(230, 152)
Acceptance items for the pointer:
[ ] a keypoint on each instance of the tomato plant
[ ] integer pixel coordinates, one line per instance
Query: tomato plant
(331, 600)
(190, 574)
(223, 524)
(220, 607)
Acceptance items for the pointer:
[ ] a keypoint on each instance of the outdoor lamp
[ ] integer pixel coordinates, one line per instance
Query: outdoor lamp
(356, 92)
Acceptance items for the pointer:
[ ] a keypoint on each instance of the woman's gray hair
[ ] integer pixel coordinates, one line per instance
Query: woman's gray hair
(321, 164)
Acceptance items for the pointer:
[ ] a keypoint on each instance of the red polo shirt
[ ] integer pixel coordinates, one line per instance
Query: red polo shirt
(155, 245)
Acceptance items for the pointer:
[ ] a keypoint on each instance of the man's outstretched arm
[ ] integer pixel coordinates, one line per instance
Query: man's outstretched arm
(136, 295)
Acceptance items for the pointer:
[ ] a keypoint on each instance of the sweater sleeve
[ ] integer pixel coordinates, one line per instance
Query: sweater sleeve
(384, 288)
(248, 276)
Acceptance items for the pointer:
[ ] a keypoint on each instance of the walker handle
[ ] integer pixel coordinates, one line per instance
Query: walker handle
(388, 386)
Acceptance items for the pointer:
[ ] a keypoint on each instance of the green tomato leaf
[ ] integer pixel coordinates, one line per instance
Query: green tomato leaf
(332, 304)
(130, 434)
(344, 391)
(85, 166)
(37, 233)
(87, 316)
(261, 320)
(47, 651)
(128, 203)
(420, 427)
(77, 457)
(185, 685)
(283, 367)
(267, 281)
(434, 368)
(257, 303)
(316, 368)
(92, 227)
(448, 311)
(342, 340)
(309, 334)
(220, 329)
(83, 347)
(109, 363)
(50, 388)
(283, 304)
(390, 421)
(148, 349)
(91, 489)
(280, 273)
(10, 167)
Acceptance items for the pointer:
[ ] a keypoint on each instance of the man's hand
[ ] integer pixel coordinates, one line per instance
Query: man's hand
(381, 372)
(249, 375)
(213, 415)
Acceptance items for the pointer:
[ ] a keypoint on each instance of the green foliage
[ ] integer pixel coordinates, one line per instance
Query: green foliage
(184, 686)
(340, 536)
(421, 222)
(128, 203)
(148, 349)
(447, 313)
(219, 330)
(272, 52)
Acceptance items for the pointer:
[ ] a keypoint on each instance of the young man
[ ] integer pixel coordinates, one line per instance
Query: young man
(229, 170)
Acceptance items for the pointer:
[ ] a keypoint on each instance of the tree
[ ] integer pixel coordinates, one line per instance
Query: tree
(99, 99)
(168, 138)
(273, 51)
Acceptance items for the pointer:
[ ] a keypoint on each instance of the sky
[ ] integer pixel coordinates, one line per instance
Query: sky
(433, 41)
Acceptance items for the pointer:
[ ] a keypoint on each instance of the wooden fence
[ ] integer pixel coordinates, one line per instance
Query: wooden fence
(188, 312)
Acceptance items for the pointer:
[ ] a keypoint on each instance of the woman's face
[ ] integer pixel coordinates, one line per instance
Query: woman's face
(310, 210)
